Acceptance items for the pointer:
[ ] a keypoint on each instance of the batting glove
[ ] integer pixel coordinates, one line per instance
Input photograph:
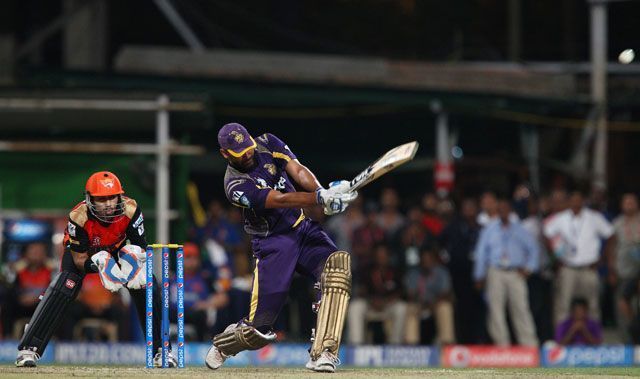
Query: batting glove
(337, 198)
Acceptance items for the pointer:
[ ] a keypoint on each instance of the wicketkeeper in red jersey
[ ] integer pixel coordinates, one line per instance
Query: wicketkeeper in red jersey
(104, 235)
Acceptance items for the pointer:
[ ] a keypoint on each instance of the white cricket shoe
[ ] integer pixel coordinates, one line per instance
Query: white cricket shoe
(214, 358)
(27, 358)
(157, 359)
(326, 362)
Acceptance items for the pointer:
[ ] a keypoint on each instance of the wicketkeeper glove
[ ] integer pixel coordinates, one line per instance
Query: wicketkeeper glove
(111, 276)
(133, 261)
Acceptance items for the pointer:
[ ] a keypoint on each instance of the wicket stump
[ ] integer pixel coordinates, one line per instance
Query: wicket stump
(165, 250)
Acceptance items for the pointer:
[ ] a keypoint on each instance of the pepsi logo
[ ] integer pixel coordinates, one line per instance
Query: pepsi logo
(149, 343)
(180, 285)
(166, 344)
(180, 255)
(180, 315)
(166, 285)
(181, 344)
(556, 354)
(267, 353)
(149, 313)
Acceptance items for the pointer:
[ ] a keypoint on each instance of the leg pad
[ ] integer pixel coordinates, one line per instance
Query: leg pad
(336, 291)
(50, 311)
(240, 337)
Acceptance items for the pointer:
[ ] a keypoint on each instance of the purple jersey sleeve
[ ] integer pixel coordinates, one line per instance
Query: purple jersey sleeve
(246, 193)
(279, 150)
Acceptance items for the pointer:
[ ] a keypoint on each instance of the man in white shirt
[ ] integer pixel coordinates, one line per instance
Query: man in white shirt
(580, 231)
(624, 255)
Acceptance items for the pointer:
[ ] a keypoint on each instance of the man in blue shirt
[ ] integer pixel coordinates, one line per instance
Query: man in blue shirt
(506, 254)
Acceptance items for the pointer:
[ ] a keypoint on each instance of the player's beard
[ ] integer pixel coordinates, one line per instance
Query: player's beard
(247, 164)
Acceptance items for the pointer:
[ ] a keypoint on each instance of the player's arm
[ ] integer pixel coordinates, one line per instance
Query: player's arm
(135, 229)
(300, 174)
(246, 193)
(285, 159)
(77, 243)
(277, 199)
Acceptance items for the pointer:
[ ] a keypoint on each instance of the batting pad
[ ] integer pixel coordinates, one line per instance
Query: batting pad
(336, 291)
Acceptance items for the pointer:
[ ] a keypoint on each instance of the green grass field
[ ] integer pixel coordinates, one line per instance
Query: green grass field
(11, 372)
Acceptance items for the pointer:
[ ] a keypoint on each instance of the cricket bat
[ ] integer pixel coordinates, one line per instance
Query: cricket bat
(393, 158)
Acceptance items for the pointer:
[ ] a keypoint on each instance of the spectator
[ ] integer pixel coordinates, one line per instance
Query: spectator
(342, 225)
(580, 231)
(218, 228)
(579, 329)
(555, 203)
(506, 255)
(379, 298)
(540, 282)
(429, 293)
(413, 237)
(365, 238)
(624, 253)
(489, 209)
(390, 219)
(431, 220)
(458, 240)
(629, 308)
(201, 302)
(33, 274)
(446, 211)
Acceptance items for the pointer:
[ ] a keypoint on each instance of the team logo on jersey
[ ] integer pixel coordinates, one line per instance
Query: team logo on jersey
(280, 185)
(107, 183)
(70, 284)
(271, 168)
(245, 201)
(262, 184)
(72, 229)
(239, 138)
(236, 195)
(95, 241)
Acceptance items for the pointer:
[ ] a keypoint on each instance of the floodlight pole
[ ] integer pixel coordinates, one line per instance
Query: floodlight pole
(598, 10)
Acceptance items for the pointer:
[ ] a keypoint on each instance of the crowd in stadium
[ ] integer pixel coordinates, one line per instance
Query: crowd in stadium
(522, 269)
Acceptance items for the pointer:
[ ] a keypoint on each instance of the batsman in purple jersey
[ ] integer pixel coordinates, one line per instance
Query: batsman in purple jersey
(259, 179)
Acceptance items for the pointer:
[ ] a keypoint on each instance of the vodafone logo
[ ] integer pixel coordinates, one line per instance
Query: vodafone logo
(459, 356)
(490, 356)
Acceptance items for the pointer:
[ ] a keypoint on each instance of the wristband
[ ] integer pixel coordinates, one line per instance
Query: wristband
(90, 267)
